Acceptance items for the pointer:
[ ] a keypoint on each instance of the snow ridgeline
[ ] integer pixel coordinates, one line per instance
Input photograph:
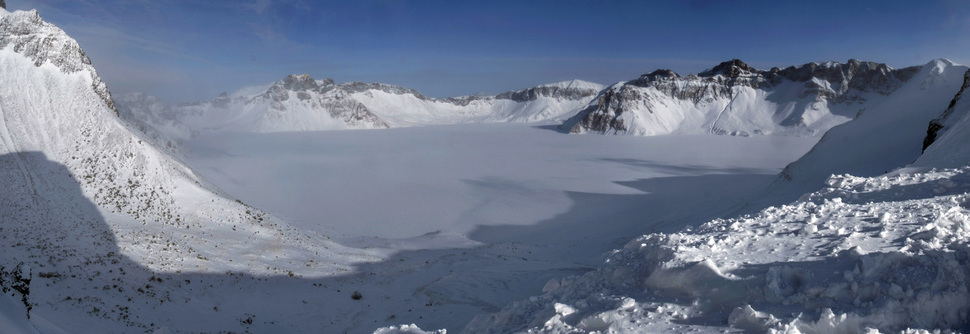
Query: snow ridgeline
(886, 253)
(735, 99)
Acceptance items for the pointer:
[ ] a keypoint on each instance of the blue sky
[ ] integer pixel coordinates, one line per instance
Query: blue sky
(193, 50)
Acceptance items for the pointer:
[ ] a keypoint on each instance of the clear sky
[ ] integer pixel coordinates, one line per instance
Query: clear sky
(188, 50)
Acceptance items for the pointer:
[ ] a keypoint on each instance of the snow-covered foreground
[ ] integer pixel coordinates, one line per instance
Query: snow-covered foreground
(470, 218)
(887, 253)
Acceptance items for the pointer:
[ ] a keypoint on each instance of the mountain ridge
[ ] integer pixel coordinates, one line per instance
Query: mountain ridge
(301, 103)
(736, 99)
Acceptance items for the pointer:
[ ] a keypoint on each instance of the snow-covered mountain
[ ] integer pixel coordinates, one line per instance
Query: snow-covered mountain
(93, 216)
(888, 135)
(300, 103)
(735, 99)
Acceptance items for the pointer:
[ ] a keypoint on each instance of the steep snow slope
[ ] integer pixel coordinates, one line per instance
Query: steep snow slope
(299, 103)
(736, 99)
(89, 210)
(947, 136)
(886, 136)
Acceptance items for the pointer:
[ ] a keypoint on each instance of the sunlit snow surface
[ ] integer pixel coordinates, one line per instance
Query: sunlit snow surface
(886, 253)
(472, 217)
(403, 183)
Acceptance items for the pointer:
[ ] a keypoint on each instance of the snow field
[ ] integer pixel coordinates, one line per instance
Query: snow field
(882, 254)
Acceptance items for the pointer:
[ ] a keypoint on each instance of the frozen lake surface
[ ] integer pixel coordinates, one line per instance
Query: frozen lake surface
(507, 206)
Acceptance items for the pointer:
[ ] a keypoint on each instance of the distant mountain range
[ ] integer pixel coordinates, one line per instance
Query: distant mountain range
(301, 103)
(731, 98)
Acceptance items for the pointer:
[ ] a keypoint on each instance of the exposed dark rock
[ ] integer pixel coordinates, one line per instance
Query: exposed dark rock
(931, 133)
(732, 69)
(356, 87)
(603, 116)
(3, 4)
(935, 129)
(464, 100)
(534, 93)
(17, 279)
(299, 83)
(43, 42)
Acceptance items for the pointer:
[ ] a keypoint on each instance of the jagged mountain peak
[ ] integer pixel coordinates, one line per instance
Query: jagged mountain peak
(804, 99)
(732, 68)
(44, 43)
(571, 90)
(41, 42)
(303, 82)
(660, 73)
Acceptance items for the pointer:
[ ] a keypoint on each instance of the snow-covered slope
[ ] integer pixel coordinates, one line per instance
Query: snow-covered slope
(89, 210)
(886, 136)
(300, 103)
(947, 137)
(886, 253)
(736, 99)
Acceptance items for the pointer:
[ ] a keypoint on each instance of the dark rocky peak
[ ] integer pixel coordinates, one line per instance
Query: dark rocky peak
(732, 69)
(3, 4)
(558, 90)
(326, 82)
(299, 83)
(835, 71)
(856, 74)
(661, 74)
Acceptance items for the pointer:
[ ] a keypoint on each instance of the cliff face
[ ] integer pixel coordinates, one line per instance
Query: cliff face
(735, 98)
(953, 112)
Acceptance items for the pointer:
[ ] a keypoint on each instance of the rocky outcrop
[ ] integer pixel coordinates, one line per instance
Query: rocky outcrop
(357, 87)
(532, 94)
(44, 43)
(937, 125)
(3, 4)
